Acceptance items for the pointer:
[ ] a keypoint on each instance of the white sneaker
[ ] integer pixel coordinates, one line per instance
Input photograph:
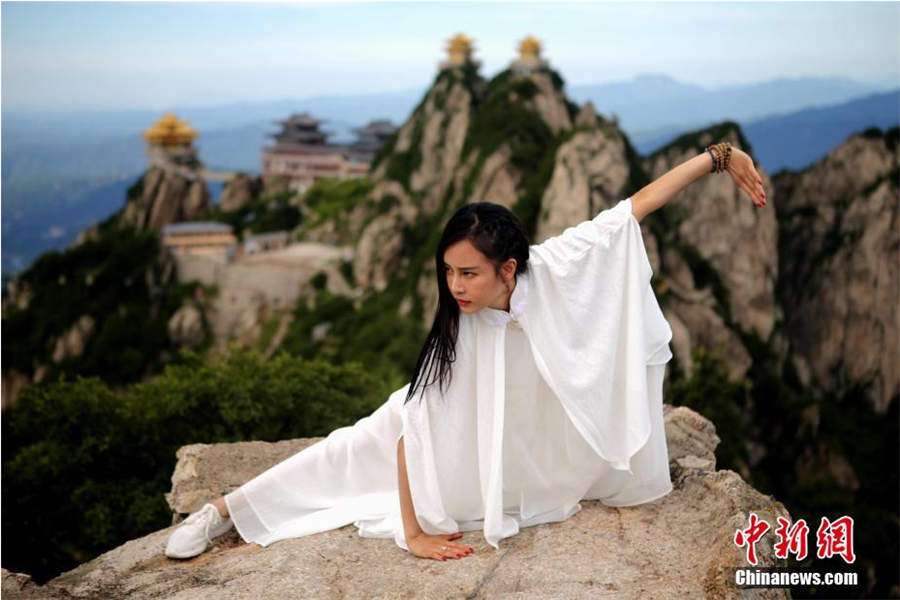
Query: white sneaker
(195, 533)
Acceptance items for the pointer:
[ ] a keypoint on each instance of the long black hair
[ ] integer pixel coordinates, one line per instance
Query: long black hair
(497, 233)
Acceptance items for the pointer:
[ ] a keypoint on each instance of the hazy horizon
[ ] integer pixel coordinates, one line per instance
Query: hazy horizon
(152, 56)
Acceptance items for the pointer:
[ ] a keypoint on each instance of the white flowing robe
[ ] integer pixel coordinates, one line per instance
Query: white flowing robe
(557, 400)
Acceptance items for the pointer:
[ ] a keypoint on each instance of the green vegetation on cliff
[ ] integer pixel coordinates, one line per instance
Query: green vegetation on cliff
(373, 334)
(505, 118)
(85, 469)
(401, 164)
(121, 280)
(273, 212)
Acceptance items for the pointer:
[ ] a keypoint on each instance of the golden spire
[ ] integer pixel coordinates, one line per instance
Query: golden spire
(529, 48)
(459, 47)
(170, 130)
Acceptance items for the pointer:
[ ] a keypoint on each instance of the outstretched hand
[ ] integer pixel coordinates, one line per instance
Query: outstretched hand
(431, 546)
(745, 175)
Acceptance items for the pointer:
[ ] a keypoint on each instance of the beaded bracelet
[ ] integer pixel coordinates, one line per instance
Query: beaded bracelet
(727, 158)
(721, 154)
(713, 169)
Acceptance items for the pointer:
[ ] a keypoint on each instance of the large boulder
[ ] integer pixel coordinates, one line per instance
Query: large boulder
(679, 546)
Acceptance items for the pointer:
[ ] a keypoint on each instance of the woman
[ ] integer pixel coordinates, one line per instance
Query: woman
(539, 385)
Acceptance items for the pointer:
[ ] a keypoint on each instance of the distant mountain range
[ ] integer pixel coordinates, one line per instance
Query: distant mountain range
(63, 171)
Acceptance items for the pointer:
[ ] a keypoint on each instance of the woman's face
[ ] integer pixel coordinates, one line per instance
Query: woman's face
(471, 277)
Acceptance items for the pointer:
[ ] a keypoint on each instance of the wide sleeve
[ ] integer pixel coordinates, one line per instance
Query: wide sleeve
(595, 325)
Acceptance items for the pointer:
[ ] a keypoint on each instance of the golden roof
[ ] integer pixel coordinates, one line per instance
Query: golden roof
(170, 130)
(459, 47)
(529, 47)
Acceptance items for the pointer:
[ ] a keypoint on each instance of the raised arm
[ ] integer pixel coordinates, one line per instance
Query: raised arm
(653, 195)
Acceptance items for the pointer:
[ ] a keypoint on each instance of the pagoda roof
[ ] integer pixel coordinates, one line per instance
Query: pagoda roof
(303, 119)
(170, 130)
(377, 126)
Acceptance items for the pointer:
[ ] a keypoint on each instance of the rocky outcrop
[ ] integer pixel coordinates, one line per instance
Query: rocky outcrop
(165, 196)
(346, 228)
(625, 552)
(840, 262)
(498, 180)
(587, 115)
(452, 150)
(717, 227)
(443, 121)
(72, 342)
(418, 172)
(378, 252)
(239, 191)
(696, 319)
(550, 102)
(18, 294)
(591, 173)
(13, 382)
(185, 327)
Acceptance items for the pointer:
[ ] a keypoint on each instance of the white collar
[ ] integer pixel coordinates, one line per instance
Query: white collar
(517, 302)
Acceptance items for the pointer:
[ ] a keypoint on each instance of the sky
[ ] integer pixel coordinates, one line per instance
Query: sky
(154, 55)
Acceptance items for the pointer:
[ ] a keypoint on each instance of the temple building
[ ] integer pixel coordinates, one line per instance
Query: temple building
(301, 153)
(371, 137)
(208, 238)
(170, 140)
(529, 56)
(459, 52)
